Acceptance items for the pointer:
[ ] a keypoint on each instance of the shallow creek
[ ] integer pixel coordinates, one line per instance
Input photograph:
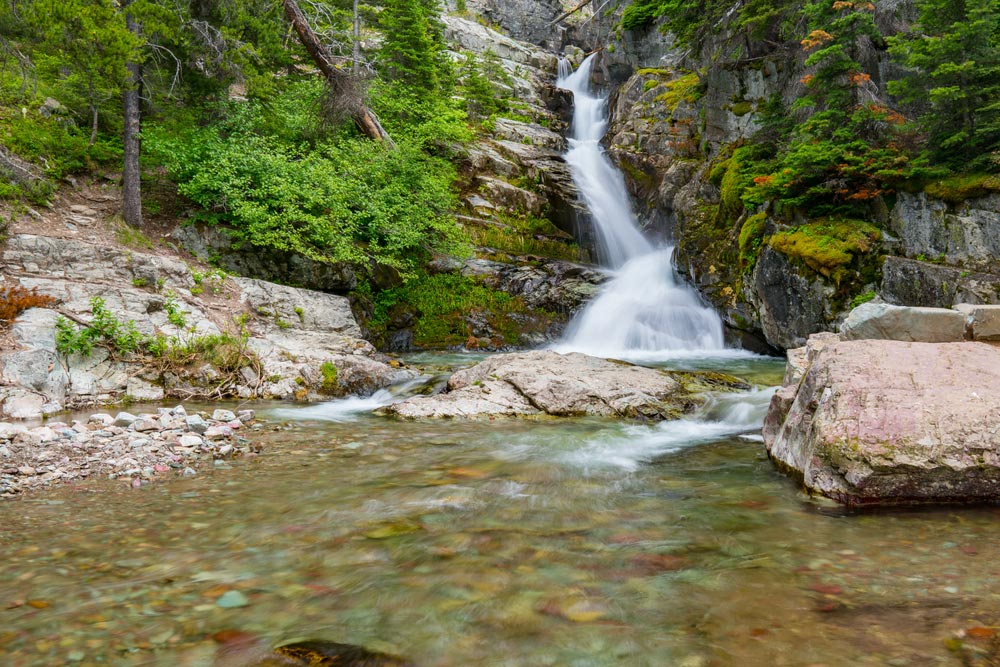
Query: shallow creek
(573, 543)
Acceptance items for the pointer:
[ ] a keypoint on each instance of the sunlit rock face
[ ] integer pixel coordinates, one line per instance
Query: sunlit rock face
(887, 422)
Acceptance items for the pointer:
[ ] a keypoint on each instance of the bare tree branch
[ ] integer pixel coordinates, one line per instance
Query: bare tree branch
(343, 87)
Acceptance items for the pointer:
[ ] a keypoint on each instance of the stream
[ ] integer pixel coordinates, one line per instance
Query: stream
(569, 542)
(506, 543)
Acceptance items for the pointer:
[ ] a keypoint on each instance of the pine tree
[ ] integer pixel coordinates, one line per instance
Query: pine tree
(952, 58)
(412, 52)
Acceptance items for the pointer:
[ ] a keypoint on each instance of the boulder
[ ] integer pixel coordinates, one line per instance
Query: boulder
(882, 422)
(542, 382)
(982, 322)
(887, 322)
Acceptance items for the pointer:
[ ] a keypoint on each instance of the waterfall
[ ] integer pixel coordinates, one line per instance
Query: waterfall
(645, 311)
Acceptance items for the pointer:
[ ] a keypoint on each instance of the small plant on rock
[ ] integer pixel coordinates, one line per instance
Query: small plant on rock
(329, 372)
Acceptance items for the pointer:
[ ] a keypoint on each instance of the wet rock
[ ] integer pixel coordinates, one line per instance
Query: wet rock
(887, 322)
(242, 649)
(196, 423)
(877, 422)
(543, 382)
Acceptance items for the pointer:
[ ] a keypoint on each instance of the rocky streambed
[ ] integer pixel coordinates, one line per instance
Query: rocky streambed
(136, 449)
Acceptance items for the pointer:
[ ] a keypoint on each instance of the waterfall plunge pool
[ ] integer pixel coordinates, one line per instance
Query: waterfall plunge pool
(578, 542)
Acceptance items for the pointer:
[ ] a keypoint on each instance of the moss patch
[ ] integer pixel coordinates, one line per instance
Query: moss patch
(448, 307)
(828, 246)
(741, 108)
(751, 239)
(685, 88)
(329, 373)
(958, 189)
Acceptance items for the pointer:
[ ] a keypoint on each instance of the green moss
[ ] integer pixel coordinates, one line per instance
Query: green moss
(329, 372)
(653, 71)
(957, 189)
(864, 297)
(751, 239)
(650, 84)
(827, 246)
(742, 108)
(685, 88)
(447, 306)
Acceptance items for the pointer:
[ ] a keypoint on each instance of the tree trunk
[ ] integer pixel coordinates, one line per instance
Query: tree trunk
(335, 78)
(356, 51)
(132, 195)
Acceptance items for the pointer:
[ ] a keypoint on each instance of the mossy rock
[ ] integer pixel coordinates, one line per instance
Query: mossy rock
(700, 382)
(958, 189)
(828, 247)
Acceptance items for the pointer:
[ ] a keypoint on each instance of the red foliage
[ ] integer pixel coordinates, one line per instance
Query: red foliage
(15, 299)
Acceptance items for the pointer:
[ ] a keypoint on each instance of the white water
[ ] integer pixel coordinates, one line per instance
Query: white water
(624, 448)
(350, 408)
(728, 415)
(644, 312)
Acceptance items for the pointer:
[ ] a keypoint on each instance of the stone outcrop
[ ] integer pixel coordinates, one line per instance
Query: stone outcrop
(542, 382)
(553, 285)
(290, 335)
(966, 235)
(914, 282)
(885, 422)
(212, 243)
(525, 20)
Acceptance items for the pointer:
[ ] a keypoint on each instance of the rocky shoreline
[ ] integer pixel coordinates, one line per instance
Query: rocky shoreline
(134, 449)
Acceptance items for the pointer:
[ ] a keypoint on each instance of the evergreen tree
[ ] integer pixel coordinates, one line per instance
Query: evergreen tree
(413, 50)
(952, 58)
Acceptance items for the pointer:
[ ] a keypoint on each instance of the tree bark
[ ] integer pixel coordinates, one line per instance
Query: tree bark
(356, 47)
(131, 187)
(335, 78)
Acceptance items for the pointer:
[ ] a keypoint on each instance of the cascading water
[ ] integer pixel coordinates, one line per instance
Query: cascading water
(644, 311)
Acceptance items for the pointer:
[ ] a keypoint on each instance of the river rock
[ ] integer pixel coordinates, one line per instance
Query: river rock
(881, 422)
(884, 321)
(543, 382)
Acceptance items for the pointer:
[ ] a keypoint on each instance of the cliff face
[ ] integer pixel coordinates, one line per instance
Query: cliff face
(679, 114)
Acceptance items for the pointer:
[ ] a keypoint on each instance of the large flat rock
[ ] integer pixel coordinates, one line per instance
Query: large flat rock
(881, 422)
(542, 382)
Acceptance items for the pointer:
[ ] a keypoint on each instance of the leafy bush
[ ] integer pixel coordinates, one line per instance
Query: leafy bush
(337, 199)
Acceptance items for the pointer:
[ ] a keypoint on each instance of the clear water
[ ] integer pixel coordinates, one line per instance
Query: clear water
(645, 312)
(505, 543)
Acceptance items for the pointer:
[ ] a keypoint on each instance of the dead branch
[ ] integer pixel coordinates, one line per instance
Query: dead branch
(343, 87)
(570, 12)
